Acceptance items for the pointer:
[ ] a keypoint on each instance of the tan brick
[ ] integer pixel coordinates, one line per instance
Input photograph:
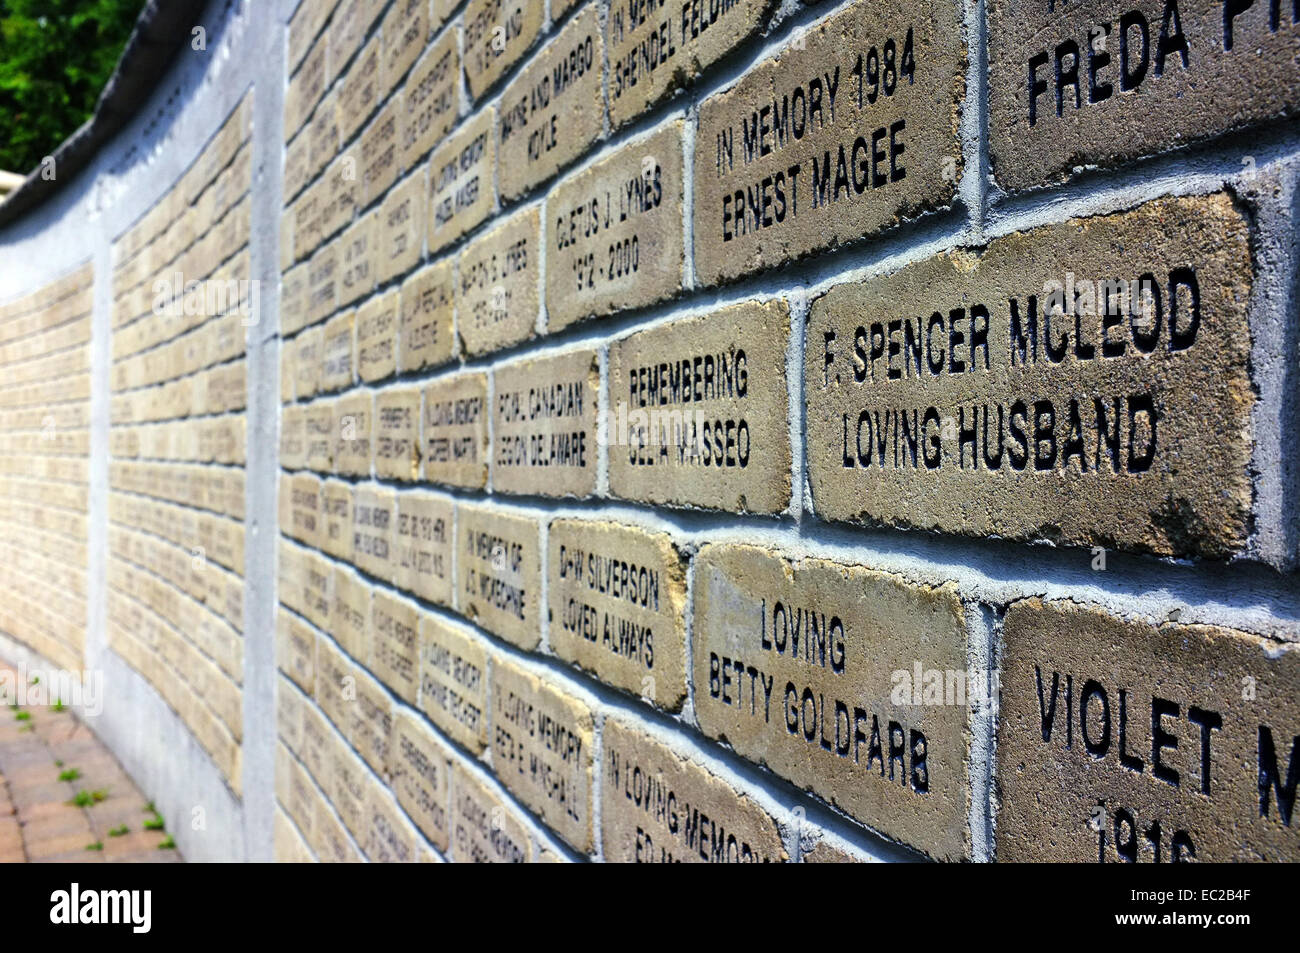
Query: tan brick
(324, 132)
(614, 232)
(401, 226)
(661, 807)
(824, 852)
(370, 727)
(293, 299)
(361, 90)
(304, 27)
(453, 682)
(496, 34)
(377, 337)
(306, 360)
(390, 838)
(498, 572)
(306, 87)
(427, 305)
(554, 109)
(359, 250)
(293, 437)
(456, 430)
(432, 99)
(318, 422)
(372, 531)
(405, 29)
(350, 618)
(1169, 76)
(1121, 740)
(793, 666)
(699, 411)
(353, 434)
(485, 828)
(657, 49)
(544, 425)
(295, 650)
(351, 22)
(800, 156)
(339, 191)
(1079, 461)
(496, 296)
(542, 750)
(338, 353)
(395, 644)
(380, 151)
(305, 512)
(422, 538)
(462, 173)
(617, 606)
(397, 434)
(322, 283)
(422, 776)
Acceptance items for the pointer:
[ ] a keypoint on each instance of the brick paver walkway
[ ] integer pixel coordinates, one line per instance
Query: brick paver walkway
(40, 817)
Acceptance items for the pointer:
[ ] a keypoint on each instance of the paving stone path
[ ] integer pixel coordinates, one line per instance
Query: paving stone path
(93, 815)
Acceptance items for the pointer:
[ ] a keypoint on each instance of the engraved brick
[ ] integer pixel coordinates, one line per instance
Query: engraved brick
(401, 227)
(431, 99)
(544, 425)
(1125, 741)
(318, 423)
(395, 644)
(397, 434)
(305, 512)
(359, 259)
(617, 606)
(350, 617)
(485, 828)
(807, 152)
(796, 666)
(422, 538)
(377, 337)
(680, 812)
(306, 87)
(699, 411)
(390, 837)
(380, 151)
(1014, 417)
(657, 49)
(496, 297)
(361, 90)
(353, 430)
(338, 353)
(427, 304)
(1132, 80)
(322, 283)
(293, 299)
(496, 34)
(293, 437)
(614, 231)
(372, 531)
(542, 750)
(453, 682)
(498, 572)
(307, 360)
(554, 109)
(422, 776)
(405, 29)
(456, 430)
(295, 650)
(461, 175)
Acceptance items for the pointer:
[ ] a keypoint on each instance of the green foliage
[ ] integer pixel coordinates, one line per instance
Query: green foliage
(167, 843)
(55, 57)
(71, 774)
(23, 716)
(98, 845)
(155, 823)
(119, 831)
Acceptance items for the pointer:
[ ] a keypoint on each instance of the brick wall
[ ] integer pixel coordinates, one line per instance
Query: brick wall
(714, 430)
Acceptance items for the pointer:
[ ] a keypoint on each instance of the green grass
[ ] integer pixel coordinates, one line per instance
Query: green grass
(58, 762)
(98, 845)
(86, 798)
(167, 843)
(69, 775)
(155, 823)
(119, 831)
(58, 704)
(23, 716)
